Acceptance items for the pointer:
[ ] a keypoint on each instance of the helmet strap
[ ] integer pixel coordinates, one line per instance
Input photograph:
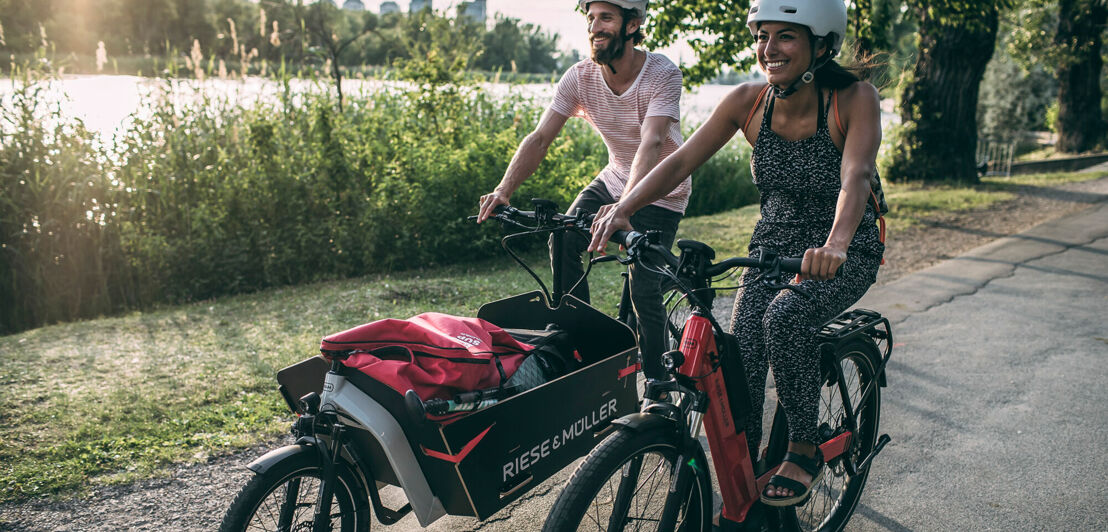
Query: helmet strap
(807, 77)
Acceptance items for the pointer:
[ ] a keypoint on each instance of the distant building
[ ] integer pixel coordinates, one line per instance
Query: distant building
(419, 5)
(474, 10)
(353, 5)
(389, 7)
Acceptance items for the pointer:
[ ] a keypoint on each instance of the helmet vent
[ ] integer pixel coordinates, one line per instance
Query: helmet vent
(789, 10)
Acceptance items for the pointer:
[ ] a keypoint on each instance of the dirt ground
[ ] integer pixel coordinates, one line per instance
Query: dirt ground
(951, 234)
(194, 496)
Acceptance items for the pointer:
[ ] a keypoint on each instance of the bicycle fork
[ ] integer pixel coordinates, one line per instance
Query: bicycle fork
(322, 520)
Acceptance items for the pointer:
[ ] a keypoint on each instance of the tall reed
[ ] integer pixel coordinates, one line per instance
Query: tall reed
(207, 195)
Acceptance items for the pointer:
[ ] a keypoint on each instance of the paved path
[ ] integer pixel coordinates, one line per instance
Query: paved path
(997, 397)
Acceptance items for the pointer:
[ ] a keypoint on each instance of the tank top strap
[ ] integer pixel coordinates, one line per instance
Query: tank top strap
(823, 110)
(767, 117)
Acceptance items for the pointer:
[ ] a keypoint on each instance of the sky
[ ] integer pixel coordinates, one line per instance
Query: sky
(557, 16)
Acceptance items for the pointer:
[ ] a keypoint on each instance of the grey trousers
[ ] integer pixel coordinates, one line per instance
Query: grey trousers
(777, 328)
(646, 295)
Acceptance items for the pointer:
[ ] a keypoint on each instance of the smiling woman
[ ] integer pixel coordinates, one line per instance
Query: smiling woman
(815, 129)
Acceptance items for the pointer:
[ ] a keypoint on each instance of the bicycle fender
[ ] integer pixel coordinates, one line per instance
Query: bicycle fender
(268, 460)
(639, 422)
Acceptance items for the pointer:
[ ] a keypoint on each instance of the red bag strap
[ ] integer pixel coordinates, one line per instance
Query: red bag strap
(835, 105)
(839, 122)
(754, 108)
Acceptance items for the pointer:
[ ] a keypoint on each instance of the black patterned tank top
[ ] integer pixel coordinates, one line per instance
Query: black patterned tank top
(799, 182)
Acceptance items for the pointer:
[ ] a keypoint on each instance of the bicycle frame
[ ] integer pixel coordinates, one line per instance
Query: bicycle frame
(725, 411)
(730, 452)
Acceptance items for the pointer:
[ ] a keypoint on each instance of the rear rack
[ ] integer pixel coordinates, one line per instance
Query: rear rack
(855, 322)
(861, 322)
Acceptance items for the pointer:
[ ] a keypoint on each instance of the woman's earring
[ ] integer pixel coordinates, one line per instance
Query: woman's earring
(808, 77)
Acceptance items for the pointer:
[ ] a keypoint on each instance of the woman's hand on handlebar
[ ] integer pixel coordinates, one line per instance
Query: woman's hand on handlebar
(609, 219)
(821, 264)
(488, 204)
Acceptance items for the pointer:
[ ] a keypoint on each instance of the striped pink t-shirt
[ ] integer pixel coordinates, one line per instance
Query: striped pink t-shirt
(582, 92)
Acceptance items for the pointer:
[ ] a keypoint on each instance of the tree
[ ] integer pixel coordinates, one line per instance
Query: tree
(503, 46)
(938, 102)
(21, 20)
(149, 23)
(1080, 124)
(321, 19)
(716, 31)
(1014, 98)
(1019, 85)
(517, 47)
(871, 25)
(718, 35)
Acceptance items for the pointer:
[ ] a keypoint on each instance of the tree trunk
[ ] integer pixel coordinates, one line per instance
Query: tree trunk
(1080, 124)
(939, 106)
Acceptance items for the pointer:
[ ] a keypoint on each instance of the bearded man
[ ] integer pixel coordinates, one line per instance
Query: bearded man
(632, 98)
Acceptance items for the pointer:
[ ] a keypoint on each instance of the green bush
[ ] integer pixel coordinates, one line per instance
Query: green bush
(219, 196)
(59, 252)
(723, 182)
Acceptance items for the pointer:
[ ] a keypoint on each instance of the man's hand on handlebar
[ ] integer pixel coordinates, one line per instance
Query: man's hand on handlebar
(609, 219)
(488, 204)
(821, 264)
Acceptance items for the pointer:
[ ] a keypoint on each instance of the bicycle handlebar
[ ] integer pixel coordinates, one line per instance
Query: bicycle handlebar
(546, 216)
(634, 241)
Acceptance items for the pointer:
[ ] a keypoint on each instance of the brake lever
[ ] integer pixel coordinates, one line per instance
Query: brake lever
(789, 286)
(603, 258)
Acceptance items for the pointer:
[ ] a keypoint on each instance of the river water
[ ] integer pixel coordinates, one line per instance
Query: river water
(107, 103)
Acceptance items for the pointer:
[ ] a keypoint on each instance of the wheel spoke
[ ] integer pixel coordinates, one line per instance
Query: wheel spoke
(633, 496)
(834, 497)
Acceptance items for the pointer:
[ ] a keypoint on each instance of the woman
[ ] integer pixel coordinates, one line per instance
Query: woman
(815, 129)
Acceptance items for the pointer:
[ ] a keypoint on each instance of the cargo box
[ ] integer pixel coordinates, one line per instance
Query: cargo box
(478, 463)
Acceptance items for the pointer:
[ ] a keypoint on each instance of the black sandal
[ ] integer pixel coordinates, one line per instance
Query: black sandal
(813, 466)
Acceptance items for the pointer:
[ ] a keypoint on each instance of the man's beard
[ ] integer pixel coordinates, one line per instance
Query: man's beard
(613, 50)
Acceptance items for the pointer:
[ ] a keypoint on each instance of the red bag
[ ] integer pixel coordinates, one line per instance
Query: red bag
(437, 355)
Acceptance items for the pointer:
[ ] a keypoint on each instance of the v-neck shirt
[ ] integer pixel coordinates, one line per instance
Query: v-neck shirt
(656, 91)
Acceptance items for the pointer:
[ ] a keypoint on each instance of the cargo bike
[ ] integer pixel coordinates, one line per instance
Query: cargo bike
(469, 454)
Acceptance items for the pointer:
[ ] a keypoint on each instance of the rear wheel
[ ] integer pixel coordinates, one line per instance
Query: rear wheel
(836, 495)
(284, 498)
(624, 482)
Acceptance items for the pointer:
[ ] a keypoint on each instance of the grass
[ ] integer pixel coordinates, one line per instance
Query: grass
(114, 399)
(909, 203)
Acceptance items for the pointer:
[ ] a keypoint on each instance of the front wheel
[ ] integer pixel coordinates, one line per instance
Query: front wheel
(284, 498)
(623, 484)
(833, 500)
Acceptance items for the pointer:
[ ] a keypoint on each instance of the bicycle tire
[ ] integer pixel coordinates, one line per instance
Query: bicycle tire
(594, 489)
(258, 506)
(836, 496)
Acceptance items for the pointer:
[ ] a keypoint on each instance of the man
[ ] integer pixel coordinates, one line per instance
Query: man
(632, 98)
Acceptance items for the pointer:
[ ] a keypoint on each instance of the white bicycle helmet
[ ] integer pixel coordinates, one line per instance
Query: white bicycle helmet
(826, 19)
(822, 17)
(638, 5)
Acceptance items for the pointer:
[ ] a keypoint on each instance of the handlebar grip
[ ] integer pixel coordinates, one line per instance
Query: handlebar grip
(791, 264)
(624, 238)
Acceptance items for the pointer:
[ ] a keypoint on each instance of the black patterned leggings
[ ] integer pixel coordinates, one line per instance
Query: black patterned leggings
(780, 326)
